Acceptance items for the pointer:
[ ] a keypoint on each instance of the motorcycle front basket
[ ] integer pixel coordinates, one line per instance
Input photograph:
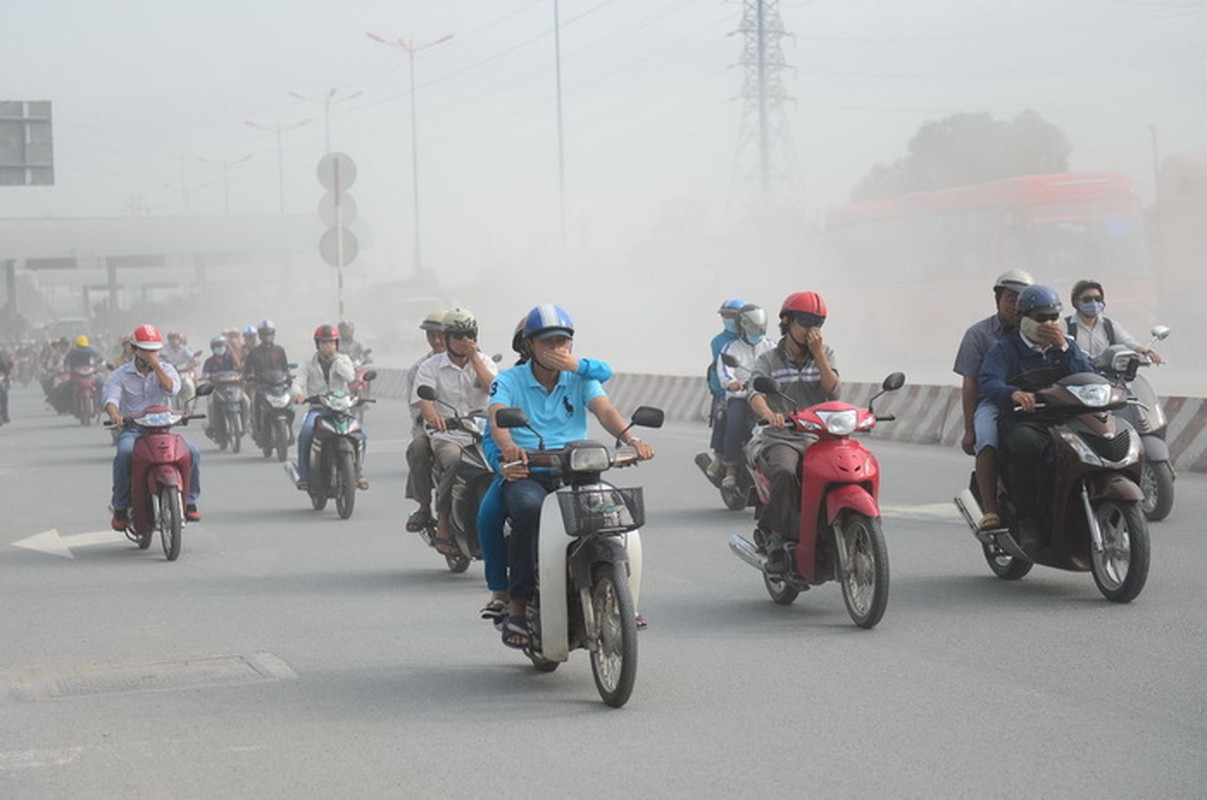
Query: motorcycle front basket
(587, 511)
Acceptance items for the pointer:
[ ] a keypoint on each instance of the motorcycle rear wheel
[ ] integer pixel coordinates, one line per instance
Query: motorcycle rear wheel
(1006, 567)
(457, 563)
(1156, 481)
(782, 593)
(734, 499)
(171, 519)
(345, 491)
(865, 586)
(614, 657)
(1121, 569)
(234, 430)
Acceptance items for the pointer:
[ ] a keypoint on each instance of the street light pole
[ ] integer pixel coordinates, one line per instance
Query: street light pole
(411, 49)
(561, 150)
(278, 129)
(326, 102)
(226, 185)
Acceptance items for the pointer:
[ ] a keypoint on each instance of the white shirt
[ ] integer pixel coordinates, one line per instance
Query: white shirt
(1094, 340)
(132, 392)
(339, 375)
(456, 386)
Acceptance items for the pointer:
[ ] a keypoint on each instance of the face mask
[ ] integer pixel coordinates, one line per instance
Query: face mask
(1091, 309)
(731, 325)
(1030, 328)
(219, 351)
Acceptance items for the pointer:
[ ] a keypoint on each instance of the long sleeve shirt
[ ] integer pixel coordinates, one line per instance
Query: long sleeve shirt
(321, 379)
(1015, 365)
(133, 393)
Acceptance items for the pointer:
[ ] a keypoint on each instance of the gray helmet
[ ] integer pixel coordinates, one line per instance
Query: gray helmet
(433, 321)
(218, 341)
(461, 322)
(1014, 279)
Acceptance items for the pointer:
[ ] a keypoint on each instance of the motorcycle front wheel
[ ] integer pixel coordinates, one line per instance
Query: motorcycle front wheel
(1156, 481)
(1121, 569)
(280, 436)
(614, 656)
(87, 412)
(170, 521)
(234, 430)
(865, 583)
(345, 492)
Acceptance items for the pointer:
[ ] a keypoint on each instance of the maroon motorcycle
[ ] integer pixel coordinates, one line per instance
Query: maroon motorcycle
(160, 470)
(85, 393)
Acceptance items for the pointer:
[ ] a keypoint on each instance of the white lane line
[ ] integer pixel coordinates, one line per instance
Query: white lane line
(927, 511)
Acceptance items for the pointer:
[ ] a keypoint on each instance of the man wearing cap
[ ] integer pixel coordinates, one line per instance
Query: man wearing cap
(980, 416)
(130, 390)
(1093, 331)
(419, 451)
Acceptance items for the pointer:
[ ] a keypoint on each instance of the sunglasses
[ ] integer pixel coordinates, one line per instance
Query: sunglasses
(461, 335)
(1091, 299)
(1046, 317)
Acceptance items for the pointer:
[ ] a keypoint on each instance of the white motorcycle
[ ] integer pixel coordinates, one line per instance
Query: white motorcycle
(588, 580)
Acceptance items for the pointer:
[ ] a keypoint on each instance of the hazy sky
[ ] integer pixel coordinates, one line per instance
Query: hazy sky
(144, 89)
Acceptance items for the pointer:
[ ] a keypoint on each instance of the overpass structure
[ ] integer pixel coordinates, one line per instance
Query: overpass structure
(78, 264)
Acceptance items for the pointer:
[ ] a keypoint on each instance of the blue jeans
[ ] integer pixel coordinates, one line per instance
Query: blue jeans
(737, 430)
(522, 500)
(491, 517)
(306, 438)
(121, 470)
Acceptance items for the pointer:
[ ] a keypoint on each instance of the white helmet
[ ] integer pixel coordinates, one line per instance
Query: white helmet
(1013, 279)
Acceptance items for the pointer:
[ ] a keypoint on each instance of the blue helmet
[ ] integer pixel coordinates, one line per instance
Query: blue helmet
(1038, 298)
(548, 320)
(731, 307)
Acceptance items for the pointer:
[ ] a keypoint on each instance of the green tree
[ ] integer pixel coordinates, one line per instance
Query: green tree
(969, 148)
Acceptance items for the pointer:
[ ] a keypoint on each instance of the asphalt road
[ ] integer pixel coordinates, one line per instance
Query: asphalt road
(289, 654)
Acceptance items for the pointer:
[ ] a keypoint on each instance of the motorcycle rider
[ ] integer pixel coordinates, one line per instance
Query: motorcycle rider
(177, 353)
(349, 345)
(329, 371)
(461, 376)
(729, 332)
(221, 360)
(82, 354)
(980, 415)
(419, 451)
(1017, 366)
(1093, 331)
(804, 367)
(6, 374)
(556, 398)
(751, 343)
(130, 389)
(265, 357)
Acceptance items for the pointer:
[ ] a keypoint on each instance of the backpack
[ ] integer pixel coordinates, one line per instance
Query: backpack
(1106, 323)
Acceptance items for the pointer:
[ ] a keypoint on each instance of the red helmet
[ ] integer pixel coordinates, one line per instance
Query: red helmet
(810, 307)
(146, 337)
(326, 333)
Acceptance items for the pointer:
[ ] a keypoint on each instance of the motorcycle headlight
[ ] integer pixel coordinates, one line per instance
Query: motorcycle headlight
(278, 400)
(160, 419)
(589, 458)
(840, 423)
(1093, 395)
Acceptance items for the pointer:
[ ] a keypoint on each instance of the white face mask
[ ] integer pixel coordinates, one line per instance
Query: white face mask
(1091, 309)
(1030, 329)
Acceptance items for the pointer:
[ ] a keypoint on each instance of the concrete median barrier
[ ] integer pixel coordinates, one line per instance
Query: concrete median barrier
(925, 413)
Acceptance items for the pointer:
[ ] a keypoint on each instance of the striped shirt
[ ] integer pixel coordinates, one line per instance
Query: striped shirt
(800, 384)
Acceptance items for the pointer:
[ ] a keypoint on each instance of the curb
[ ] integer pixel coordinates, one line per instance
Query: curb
(926, 414)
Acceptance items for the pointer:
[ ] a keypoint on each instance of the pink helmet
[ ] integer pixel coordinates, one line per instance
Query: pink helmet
(146, 337)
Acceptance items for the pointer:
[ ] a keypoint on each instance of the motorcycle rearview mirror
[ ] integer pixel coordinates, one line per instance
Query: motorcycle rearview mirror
(646, 417)
(516, 418)
(497, 357)
(370, 375)
(765, 385)
(291, 365)
(892, 383)
(729, 360)
(426, 392)
(204, 389)
(1159, 332)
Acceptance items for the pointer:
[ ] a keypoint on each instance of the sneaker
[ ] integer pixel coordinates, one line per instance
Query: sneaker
(119, 521)
(729, 482)
(714, 469)
(191, 513)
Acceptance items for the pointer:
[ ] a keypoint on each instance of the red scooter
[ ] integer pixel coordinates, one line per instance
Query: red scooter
(840, 534)
(160, 470)
(85, 393)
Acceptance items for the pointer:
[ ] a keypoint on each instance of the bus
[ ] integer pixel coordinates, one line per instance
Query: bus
(924, 263)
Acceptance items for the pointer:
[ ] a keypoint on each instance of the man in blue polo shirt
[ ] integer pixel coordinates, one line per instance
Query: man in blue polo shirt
(555, 396)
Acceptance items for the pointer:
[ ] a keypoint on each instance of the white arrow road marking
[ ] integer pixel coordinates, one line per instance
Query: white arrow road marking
(51, 542)
(943, 511)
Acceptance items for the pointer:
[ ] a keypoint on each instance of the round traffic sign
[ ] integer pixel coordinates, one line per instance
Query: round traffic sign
(347, 209)
(336, 172)
(329, 247)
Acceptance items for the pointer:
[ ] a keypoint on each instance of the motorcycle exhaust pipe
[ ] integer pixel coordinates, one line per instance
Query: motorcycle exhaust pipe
(746, 551)
(292, 471)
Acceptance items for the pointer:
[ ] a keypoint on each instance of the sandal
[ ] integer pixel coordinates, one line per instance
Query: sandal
(641, 623)
(445, 547)
(516, 634)
(495, 610)
(990, 522)
(418, 520)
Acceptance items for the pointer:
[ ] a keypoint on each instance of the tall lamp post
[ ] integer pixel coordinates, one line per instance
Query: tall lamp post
(278, 129)
(226, 184)
(411, 49)
(326, 101)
